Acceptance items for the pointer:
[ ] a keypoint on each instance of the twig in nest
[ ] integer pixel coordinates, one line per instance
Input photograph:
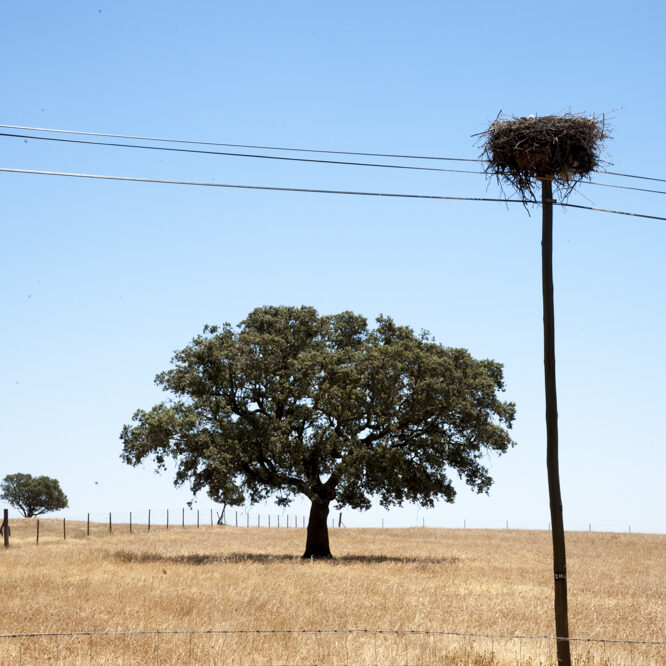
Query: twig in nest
(564, 149)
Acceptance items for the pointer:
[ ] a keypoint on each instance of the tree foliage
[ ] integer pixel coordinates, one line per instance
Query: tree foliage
(33, 496)
(290, 402)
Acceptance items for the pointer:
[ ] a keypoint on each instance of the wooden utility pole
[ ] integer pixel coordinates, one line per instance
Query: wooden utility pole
(559, 552)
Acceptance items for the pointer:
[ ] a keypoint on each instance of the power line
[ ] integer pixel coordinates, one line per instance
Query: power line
(317, 191)
(283, 148)
(566, 204)
(228, 154)
(630, 175)
(622, 187)
(240, 145)
(255, 187)
(290, 159)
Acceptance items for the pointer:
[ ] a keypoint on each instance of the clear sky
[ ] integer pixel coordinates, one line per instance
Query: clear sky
(102, 281)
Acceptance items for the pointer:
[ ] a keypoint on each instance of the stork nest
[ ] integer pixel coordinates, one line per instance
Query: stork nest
(564, 149)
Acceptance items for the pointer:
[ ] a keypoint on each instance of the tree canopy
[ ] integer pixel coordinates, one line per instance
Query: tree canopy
(33, 496)
(290, 402)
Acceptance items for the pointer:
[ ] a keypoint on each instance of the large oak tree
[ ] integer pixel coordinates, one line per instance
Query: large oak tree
(290, 402)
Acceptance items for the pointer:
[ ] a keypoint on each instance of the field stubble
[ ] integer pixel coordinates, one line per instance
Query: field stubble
(225, 578)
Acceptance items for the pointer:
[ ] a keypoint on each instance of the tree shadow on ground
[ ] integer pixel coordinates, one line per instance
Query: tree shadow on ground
(129, 557)
(380, 559)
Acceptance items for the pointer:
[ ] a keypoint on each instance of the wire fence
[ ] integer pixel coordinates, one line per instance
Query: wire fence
(42, 530)
(286, 646)
(326, 646)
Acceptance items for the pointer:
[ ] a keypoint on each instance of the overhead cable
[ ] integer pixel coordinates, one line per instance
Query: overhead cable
(240, 145)
(317, 191)
(291, 159)
(622, 187)
(228, 154)
(631, 175)
(283, 148)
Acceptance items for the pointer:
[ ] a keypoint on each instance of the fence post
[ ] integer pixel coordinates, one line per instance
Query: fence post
(5, 526)
(149, 520)
(110, 529)
(130, 522)
(211, 517)
(37, 537)
(258, 520)
(589, 527)
(197, 517)
(183, 517)
(88, 526)
(167, 525)
(236, 518)
(64, 530)
(269, 520)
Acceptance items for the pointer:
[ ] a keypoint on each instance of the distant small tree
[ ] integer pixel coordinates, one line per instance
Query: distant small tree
(33, 496)
(293, 403)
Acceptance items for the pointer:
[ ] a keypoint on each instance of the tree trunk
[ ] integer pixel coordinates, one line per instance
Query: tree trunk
(559, 553)
(317, 541)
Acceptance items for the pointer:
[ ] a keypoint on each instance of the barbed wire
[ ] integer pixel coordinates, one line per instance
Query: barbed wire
(387, 632)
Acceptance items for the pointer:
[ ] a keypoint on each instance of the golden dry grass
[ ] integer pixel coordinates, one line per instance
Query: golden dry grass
(224, 578)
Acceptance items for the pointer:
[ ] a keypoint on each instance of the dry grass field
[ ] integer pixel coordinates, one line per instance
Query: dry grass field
(225, 578)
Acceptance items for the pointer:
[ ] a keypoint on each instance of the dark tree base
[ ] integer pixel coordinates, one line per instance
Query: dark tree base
(316, 556)
(316, 546)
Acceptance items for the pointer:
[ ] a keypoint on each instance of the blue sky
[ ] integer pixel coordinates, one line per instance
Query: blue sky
(102, 281)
